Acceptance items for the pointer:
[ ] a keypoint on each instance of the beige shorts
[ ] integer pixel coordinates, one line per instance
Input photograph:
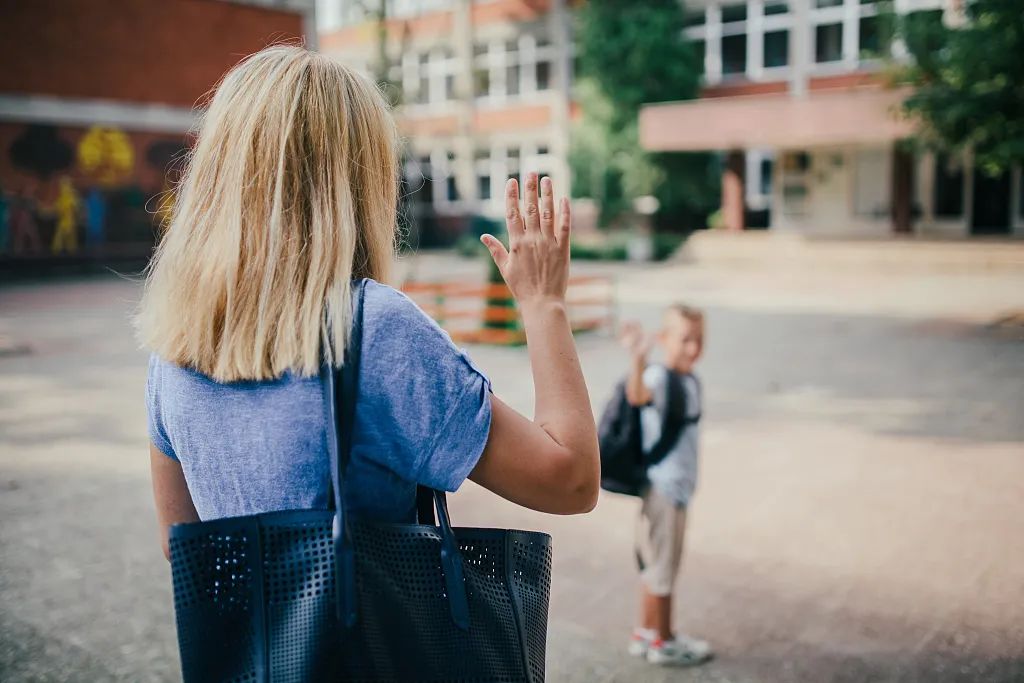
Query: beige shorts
(660, 531)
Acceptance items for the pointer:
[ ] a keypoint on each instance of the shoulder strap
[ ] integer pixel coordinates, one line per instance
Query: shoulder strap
(673, 418)
(342, 391)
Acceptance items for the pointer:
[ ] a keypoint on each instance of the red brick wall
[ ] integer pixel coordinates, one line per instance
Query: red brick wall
(155, 51)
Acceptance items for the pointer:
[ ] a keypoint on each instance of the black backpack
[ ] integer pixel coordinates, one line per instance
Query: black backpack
(623, 462)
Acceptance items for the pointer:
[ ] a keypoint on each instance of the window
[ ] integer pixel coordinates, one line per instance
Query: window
(766, 176)
(542, 150)
(451, 189)
(481, 82)
(420, 179)
(734, 54)
(543, 75)
(423, 80)
(512, 79)
(698, 55)
(482, 163)
(776, 49)
(449, 87)
(870, 37)
(949, 187)
(695, 18)
(828, 3)
(771, 8)
(871, 183)
(731, 13)
(828, 43)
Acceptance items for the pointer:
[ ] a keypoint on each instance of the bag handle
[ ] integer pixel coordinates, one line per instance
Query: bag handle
(341, 426)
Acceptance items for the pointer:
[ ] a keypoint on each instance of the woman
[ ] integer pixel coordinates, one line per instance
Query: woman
(290, 195)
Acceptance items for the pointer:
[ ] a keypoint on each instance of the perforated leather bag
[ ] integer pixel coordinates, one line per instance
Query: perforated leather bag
(313, 595)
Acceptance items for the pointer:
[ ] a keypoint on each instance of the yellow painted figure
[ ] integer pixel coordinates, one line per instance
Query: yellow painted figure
(67, 206)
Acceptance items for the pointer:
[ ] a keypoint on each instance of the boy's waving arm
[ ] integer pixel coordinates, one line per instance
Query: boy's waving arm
(638, 344)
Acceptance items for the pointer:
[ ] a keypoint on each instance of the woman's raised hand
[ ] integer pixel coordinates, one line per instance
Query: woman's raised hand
(536, 264)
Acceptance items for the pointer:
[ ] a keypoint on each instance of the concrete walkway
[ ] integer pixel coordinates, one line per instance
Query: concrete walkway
(858, 518)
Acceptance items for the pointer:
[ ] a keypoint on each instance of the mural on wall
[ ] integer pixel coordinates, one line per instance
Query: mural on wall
(69, 191)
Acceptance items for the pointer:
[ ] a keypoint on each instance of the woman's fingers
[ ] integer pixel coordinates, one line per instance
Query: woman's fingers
(564, 223)
(547, 208)
(497, 249)
(513, 218)
(532, 210)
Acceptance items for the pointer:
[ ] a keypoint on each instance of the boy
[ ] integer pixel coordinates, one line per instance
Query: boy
(672, 480)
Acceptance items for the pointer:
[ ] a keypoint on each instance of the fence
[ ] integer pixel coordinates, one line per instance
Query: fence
(486, 314)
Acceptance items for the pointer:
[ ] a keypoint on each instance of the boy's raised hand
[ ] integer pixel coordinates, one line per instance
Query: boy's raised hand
(536, 264)
(635, 340)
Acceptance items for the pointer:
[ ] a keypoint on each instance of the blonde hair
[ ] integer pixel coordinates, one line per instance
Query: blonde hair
(291, 192)
(693, 315)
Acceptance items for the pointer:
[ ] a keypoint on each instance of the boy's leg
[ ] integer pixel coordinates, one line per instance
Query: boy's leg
(657, 613)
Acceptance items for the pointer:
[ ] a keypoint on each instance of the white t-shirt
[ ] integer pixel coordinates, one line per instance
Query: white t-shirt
(676, 475)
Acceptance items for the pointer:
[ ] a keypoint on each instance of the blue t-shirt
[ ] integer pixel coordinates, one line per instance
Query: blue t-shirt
(423, 417)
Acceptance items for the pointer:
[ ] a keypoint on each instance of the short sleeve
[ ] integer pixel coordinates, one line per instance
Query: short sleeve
(654, 378)
(154, 417)
(424, 409)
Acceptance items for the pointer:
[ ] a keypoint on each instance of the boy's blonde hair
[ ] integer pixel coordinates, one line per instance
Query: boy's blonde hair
(290, 193)
(689, 313)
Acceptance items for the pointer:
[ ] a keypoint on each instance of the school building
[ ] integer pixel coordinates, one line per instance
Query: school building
(96, 104)
(794, 99)
(482, 90)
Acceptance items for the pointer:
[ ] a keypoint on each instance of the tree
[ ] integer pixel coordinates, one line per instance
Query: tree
(631, 54)
(968, 81)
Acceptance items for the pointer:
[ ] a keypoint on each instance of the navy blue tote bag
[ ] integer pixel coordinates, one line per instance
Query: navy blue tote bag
(316, 595)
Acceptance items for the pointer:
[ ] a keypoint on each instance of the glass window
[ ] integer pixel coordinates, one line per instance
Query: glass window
(766, 176)
(828, 3)
(731, 13)
(481, 82)
(513, 153)
(512, 79)
(483, 186)
(771, 8)
(542, 150)
(543, 75)
(694, 18)
(452, 189)
(480, 49)
(870, 38)
(421, 181)
(449, 87)
(828, 43)
(734, 54)
(698, 54)
(776, 48)
(949, 187)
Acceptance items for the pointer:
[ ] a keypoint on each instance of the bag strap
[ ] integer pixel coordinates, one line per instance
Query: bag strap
(674, 419)
(340, 398)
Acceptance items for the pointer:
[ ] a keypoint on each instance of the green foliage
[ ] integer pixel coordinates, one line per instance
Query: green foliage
(633, 53)
(969, 81)
(636, 52)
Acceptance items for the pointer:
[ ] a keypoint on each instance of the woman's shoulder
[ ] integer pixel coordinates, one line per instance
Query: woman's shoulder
(391, 313)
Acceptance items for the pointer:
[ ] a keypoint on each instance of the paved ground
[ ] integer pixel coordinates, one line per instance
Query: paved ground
(859, 517)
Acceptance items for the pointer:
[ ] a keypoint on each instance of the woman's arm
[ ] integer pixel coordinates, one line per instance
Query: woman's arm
(173, 502)
(551, 463)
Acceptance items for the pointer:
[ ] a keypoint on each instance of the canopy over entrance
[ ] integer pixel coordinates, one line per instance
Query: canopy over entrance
(851, 116)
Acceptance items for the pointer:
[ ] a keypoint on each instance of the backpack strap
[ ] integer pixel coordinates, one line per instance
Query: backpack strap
(674, 417)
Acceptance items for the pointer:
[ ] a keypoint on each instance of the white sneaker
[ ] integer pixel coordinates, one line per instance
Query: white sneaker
(640, 642)
(680, 651)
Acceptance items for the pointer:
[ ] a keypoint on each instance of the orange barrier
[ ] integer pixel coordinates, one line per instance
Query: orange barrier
(486, 314)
